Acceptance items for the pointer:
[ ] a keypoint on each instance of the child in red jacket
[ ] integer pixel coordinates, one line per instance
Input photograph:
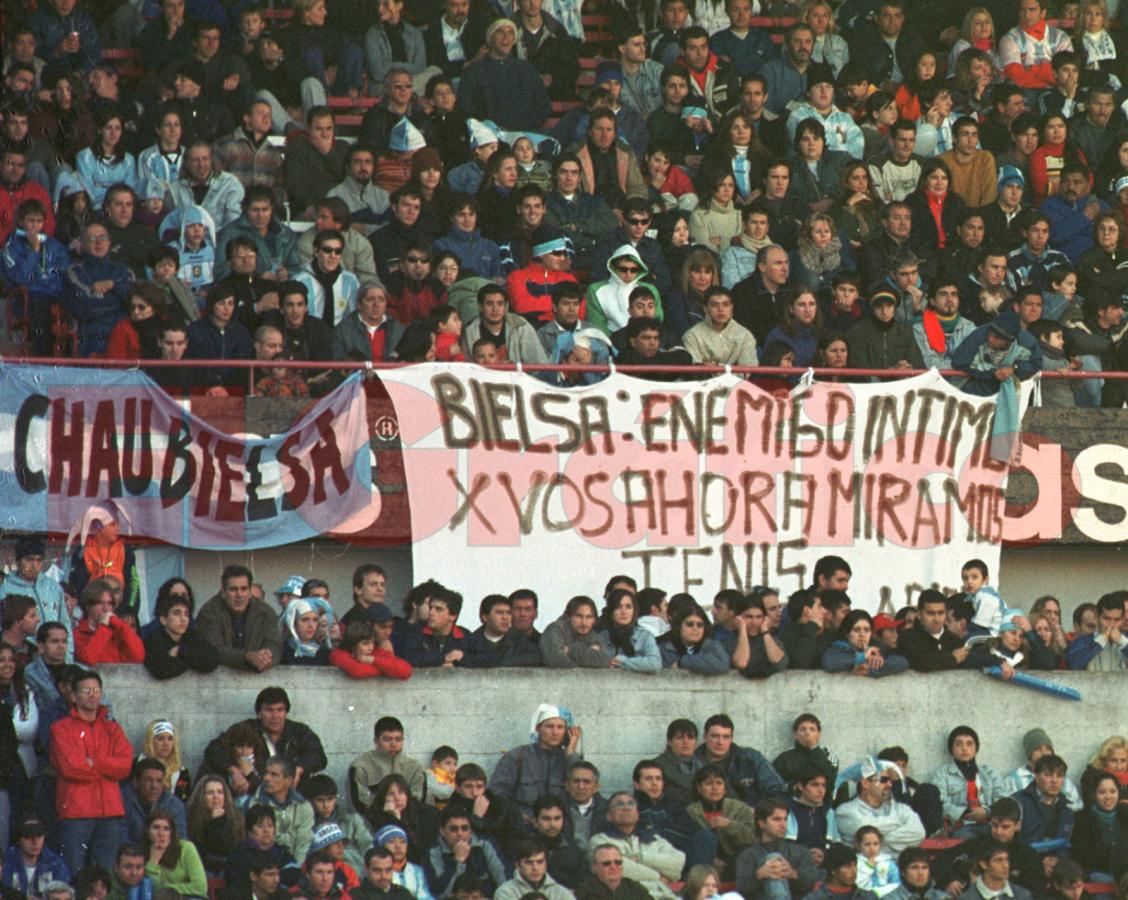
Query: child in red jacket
(101, 636)
(366, 650)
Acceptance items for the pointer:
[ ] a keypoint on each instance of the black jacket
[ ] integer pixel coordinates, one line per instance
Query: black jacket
(926, 653)
(512, 650)
(195, 654)
(502, 823)
(867, 44)
(473, 39)
(758, 310)
(298, 743)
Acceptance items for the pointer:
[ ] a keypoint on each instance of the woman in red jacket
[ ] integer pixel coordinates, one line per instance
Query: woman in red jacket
(366, 650)
(101, 636)
(1054, 153)
(136, 336)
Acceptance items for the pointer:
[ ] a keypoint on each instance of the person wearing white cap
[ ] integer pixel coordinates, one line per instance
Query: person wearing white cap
(393, 169)
(900, 827)
(502, 87)
(467, 178)
(540, 767)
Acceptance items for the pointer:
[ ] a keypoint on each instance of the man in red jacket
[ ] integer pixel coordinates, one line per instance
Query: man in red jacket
(15, 188)
(90, 755)
(102, 636)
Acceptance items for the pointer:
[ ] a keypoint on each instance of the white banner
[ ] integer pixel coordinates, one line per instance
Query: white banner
(693, 486)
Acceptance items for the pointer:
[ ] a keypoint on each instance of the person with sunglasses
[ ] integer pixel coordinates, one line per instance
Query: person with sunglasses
(635, 230)
(900, 827)
(608, 302)
(648, 858)
(330, 288)
(607, 881)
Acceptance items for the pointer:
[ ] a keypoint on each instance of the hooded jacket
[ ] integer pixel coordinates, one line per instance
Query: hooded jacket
(607, 301)
(197, 267)
(296, 652)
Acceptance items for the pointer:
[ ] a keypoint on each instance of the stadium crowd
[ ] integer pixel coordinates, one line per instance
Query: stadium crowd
(90, 814)
(895, 184)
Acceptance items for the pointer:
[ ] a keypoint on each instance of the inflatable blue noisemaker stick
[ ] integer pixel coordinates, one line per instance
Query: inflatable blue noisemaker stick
(1039, 684)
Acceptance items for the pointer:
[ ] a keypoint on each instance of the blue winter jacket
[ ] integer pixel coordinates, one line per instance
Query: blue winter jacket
(478, 254)
(96, 314)
(43, 273)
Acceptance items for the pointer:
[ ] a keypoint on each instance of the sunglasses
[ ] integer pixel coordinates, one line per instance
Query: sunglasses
(332, 251)
(628, 270)
(416, 259)
(638, 221)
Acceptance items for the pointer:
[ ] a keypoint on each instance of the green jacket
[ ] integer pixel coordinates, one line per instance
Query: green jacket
(875, 347)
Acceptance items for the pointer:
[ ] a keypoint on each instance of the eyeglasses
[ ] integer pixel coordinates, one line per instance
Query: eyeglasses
(638, 221)
(89, 692)
(332, 251)
(885, 779)
(416, 259)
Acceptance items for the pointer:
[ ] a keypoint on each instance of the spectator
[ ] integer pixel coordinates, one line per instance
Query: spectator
(220, 193)
(102, 636)
(31, 867)
(719, 340)
(204, 114)
(641, 76)
(218, 336)
(276, 245)
(887, 46)
(503, 88)
(1071, 212)
(147, 793)
(192, 652)
(367, 202)
(173, 863)
(972, 170)
(315, 163)
(496, 644)
(785, 77)
(545, 43)
(512, 335)
(648, 857)
(247, 154)
(293, 815)
(333, 215)
(393, 43)
(689, 644)
(380, 873)
(878, 341)
(994, 353)
(90, 755)
(390, 242)
(532, 290)
(129, 879)
(67, 37)
(459, 851)
(15, 188)
(900, 827)
(105, 162)
(240, 627)
(331, 57)
(1027, 49)
(459, 39)
(582, 217)
(1106, 649)
(367, 333)
(775, 858)
(331, 289)
(366, 649)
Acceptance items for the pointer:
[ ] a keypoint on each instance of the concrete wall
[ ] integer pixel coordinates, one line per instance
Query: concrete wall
(624, 716)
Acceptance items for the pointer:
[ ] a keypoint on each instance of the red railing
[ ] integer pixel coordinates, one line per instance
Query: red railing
(691, 370)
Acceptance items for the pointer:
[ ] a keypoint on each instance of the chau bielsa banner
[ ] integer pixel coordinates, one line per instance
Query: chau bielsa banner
(72, 437)
(694, 486)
